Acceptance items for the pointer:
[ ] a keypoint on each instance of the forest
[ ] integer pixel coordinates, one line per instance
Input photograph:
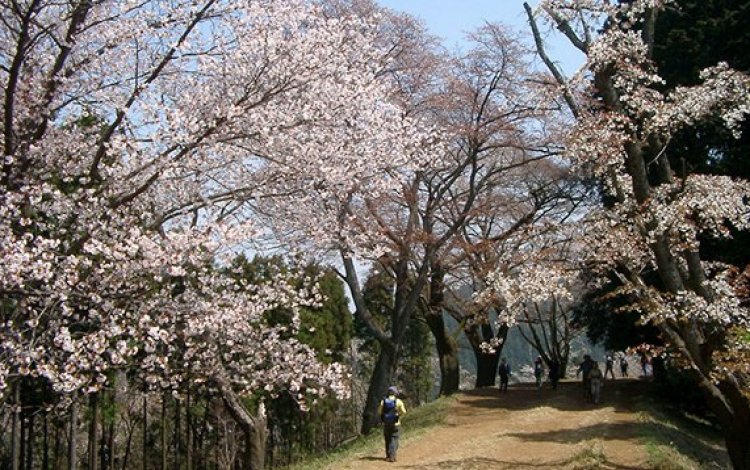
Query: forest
(227, 227)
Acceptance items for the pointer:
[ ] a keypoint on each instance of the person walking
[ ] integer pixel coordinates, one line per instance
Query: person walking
(538, 371)
(596, 380)
(609, 367)
(623, 366)
(645, 360)
(554, 372)
(585, 369)
(504, 372)
(391, 409)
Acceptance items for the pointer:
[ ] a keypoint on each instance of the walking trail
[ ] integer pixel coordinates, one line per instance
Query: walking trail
(528, 429)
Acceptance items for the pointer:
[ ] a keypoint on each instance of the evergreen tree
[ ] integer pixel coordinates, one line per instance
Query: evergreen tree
(414, 374)
(327, 328)
(695, 35)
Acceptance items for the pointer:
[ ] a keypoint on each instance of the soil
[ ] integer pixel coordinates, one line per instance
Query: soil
(530, 429)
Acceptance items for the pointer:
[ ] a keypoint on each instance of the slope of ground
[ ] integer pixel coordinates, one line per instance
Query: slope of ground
(529, 429)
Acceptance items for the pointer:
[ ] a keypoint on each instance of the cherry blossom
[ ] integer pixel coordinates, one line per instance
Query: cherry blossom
(137, 140)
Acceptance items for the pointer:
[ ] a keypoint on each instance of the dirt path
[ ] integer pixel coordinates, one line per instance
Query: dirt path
(525, 429)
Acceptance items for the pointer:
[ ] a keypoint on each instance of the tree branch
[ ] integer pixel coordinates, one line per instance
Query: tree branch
(554, 70)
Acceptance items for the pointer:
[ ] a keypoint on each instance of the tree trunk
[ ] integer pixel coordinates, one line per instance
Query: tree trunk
(188, 433)
(253, 427)
(45, 449)
(128, 448)
(201, 446)
(56, 448)
(15, 434)
(406, 296)
(487, 363)
(93, 430)
(23, 439)
(164, 431)
(108, 446)
(379, 383)
(144, 424)
(30, 438)
(736, 433)
(177, 434)
(447, 350)
(738, 445)
(73, 442)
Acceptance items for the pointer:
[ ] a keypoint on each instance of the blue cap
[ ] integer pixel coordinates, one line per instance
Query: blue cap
(392, 390)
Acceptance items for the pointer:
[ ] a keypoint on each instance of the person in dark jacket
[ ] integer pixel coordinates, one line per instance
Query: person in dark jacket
(554, 372)
(504, 372)
(585, 370)
(609, 366)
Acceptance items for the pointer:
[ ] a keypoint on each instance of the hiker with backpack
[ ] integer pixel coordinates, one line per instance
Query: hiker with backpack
(390, 410)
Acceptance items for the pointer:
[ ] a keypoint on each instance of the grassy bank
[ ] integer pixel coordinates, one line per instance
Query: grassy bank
(675, 442)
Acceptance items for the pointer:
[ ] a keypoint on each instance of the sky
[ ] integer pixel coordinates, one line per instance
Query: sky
(451, 19)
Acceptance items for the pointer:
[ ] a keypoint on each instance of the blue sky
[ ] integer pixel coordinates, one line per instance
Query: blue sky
(450, 19)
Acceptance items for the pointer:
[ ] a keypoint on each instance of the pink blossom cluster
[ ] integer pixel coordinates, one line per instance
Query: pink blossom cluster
(139, 139)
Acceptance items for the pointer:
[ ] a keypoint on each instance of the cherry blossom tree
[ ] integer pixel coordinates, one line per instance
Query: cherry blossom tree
(135, 135)
(362, 209)
(502, 156)
(658, 215)
(471, 121)
(539, 292)
(516, 223)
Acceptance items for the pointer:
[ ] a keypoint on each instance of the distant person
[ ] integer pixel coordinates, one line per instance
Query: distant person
(585, 370)
(644, 364)
(504, 372)
(538, 371)
(609, 366)
(623, 366)
(596, 380)
(554, 372)
(391, 410)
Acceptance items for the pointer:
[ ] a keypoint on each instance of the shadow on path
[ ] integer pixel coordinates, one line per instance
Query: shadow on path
(621, 394)
(652, 432)
(372, 459)
(479, 463)
(601, 431)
